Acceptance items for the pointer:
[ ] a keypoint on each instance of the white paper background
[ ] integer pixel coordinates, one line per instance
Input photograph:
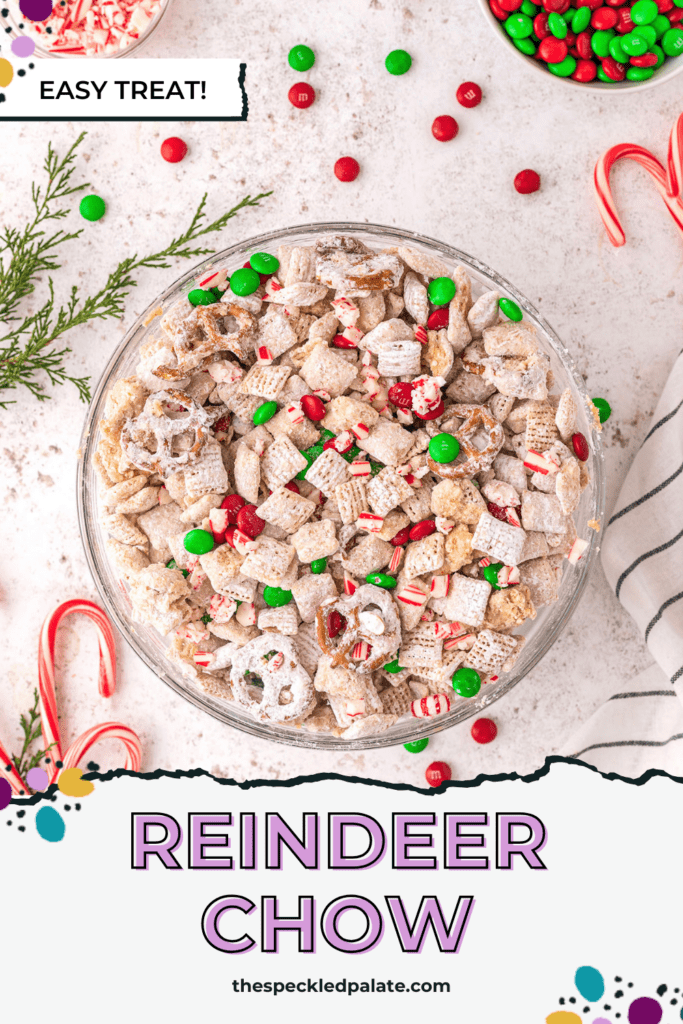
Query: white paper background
(130, 942)
(223, 96)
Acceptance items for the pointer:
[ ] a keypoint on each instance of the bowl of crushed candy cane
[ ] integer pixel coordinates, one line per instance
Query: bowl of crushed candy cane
(341, 486)
(88, 28)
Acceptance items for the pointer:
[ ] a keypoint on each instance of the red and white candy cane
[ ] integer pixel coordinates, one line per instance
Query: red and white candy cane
(675, 161)
(107, 684)
(603, 192)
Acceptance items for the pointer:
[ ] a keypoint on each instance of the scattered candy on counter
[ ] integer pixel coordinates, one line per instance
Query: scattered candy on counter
(437, 773)
(301, 95)
(173, 150)
(604, 408)
(92, 207)
(93, 28)
(527, 181)
(444, 128)
(301, 57)
(468, 94)
(484, 730)
(669, 182)
(585, 40)
(347, 169)
(398, 62)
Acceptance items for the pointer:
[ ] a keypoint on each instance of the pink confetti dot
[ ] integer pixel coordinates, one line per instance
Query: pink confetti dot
(37, 779)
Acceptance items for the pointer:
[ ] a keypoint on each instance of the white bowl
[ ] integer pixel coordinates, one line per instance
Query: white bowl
(671, 67)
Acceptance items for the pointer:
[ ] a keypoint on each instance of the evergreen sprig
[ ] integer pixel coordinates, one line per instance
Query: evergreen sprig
(26, 350)
(32, 729)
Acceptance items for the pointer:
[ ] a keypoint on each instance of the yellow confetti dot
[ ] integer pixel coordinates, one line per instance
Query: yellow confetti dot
(6, 72)
(563, 1017)
(71, 783)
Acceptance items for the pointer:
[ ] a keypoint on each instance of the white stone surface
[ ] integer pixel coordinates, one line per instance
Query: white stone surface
(619, 311)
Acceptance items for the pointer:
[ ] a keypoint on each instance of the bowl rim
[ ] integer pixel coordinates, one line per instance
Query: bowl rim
(675, 68)
(301, 737)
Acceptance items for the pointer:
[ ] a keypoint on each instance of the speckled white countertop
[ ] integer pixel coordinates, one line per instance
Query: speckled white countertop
(619, 312)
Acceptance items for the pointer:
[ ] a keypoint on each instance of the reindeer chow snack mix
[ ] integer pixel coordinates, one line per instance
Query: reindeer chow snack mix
(339, 484)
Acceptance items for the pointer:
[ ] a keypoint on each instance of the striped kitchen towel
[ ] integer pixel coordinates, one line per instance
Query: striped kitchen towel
(642, 555)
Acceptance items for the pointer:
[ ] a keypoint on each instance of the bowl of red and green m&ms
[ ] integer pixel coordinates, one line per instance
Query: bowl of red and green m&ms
(597, 44)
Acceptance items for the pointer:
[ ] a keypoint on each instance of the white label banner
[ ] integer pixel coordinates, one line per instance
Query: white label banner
(192, 898)
(127, 89)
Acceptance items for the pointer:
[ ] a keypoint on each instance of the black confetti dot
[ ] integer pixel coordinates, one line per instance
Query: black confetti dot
(8, 30)
(53, 798)
(31, 66)
(92, 767)
(9, 822)
(617, 979)
(618, 994)
(630, 985)
(20, 814)
(673, 1002)
(571, 999)
(586, 1009)
(4, 12)
(59, 764)
(8, 767)
(607, 1006)
(22, 25)
(21, 73)
(561, 1000)
(617, 1015)
(67, 807)
(661, 990)
(22, 828)
(47, 760)
(49, 31)
(677, 990)
(78, 807)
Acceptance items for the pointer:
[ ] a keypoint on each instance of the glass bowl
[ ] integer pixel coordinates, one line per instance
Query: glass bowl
(669, 69)
(12, 19)
(541, 633)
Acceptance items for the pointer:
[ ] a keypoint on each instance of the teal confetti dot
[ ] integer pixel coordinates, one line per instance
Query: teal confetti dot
(50, 824)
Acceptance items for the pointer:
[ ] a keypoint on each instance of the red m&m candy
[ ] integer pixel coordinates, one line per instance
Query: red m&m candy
(437, 773)
(438, 319)
(401, 395)
(401, 538)
(173, 150)
(249, 522)
(313, 407)
(346, 168)
(444, 128)
(423, 529)
(580, 446)
(301, 95)
(484, 730)
(527, 181)
(469, 94)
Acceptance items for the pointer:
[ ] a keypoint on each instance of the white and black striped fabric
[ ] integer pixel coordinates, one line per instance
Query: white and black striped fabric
(642, 555)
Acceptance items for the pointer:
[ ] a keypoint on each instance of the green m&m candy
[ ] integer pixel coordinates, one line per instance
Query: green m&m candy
(398, 62)
(644, 12)
(200, 297)
(580, 18)
(634, 43)
(264, 413)
(301, 57)
(529, 8)
(604, 408)
(198, 542)
(661, 24)
(417, 746)
(380, 579)
(441, 290)
(491, 574)
(659, 54)
(672, 42)
(525, 46)
(557, 25)
(510, 308)
(444, 448)
(519, 26)
(563, 69)
(92, 207)
(600, 41)
(276, 597)
(244, 281)
(466, 682)
(264, 263)
(616, 50)
(640, 74)
(318, 565)
(393, 667)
